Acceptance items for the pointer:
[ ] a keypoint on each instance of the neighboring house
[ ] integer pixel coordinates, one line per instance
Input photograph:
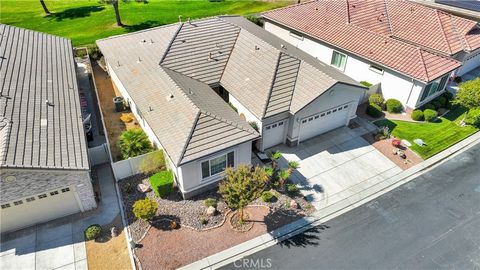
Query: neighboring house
(44, 169)
(410, 49)
(186, 82)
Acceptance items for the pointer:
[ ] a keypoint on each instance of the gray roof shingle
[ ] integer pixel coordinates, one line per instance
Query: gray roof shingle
(36, 67)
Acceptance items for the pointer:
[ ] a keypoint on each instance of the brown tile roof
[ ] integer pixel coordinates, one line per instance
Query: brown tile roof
(406, 37)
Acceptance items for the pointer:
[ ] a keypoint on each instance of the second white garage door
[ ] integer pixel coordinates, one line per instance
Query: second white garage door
(36, 209)
(273, 134)
(323, 121)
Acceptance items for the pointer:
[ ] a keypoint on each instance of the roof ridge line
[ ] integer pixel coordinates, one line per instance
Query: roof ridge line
(460, 37)
(231, 50)
(272, 83)
(180, 88)
(295, 83)
(423, 63)
(443, 31)
(189, 138)
(225, 120)
(290, 6)
(390, 26)
(170, 43)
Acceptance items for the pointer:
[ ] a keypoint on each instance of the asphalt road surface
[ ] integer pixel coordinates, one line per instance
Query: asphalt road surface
(432, 222)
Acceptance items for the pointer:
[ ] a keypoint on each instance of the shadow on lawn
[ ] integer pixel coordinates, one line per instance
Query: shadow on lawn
(142, 26)
(74, 13)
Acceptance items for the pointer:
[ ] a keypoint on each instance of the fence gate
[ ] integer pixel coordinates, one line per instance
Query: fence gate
(98, 155)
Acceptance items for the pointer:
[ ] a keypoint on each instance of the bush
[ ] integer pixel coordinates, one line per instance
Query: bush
(292, 188)
(129, 188)
(134, 142)
(447, 95)
(417, 115)
(95, 53)
(153, 162)
(233, 107)
(473, 117)
(162, 183)
(442, 101)
(429, 106)
(93, 231)
(468, 94)
(256, 20)
(254, 125)
(376, 99)
(374, 110)
(267, 196)
(430, 115)
(394, 106)
(145, 209)
(365, 83)
(437, 104)
(210, 202)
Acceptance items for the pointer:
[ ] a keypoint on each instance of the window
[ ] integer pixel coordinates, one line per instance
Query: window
(65, 190)
(18, 202)
(268, 127)
(217, 165)
(7, 205)
(434, 87)
(53, 193)
(42, 196)
(280, 124)
(274, 125)
(334, 110)
(310, 119)
(304, 121)
(322, 115)
(339, 60)
(31, 199)
(340, 108)
(296, 35)
(316, 116)
(346, 106)
(376, 69)
(329, 112)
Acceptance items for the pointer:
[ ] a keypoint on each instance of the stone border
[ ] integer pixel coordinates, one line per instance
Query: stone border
(329, 212)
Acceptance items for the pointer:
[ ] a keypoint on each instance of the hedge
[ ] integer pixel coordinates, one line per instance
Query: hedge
(430, 115)
(394, 106)
(374, 110)
(417, 115)
(162, 183)
(376, 99)
(473, 117)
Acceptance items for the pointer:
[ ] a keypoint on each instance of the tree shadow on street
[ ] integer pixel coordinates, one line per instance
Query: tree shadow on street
(310, 237)
(74, 13)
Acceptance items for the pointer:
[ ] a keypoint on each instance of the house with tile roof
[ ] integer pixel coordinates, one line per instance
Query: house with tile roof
(411, 50)
(44, 165)
(205, 90)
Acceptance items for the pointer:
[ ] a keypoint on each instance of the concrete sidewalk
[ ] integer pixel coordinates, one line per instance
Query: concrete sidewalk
(59, 244)
(328, 212)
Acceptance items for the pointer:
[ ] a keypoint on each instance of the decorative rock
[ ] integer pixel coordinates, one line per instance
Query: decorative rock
(143, 188)
(293, 204)
(114, 231)
(211, 211)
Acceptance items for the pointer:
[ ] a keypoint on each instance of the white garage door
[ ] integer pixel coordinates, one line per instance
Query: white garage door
(322, 122)
(273, 134)
(469, 63)
(36, 209)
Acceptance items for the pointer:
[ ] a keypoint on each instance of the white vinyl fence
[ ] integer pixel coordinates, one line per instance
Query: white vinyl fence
(128, 167)
(98, 155)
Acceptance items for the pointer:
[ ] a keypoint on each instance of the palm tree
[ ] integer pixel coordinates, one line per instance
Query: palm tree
(117, 12)
(283, 175)
(292, 165)
(47, 12)
(134, 142)
(275, 156)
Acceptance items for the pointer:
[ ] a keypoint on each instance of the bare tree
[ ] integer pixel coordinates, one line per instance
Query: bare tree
(47, 12)
(114, 3)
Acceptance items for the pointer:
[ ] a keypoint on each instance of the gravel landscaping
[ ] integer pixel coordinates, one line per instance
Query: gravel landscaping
(190, 213)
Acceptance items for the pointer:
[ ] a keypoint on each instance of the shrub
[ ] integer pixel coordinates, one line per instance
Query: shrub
(374, 110)
(95, 53)
(365, 83)
(256, 20)
(473, 117)
(126, 118)
(429, 115)
(437, 104)
(153, 162)
(417, 115)
(442, 101)
(394, 106)
(292, 188)
(203, 221)
(233, 107)
(376, 99)
(429, 106)
(384, 131)
(210, 202)
(468, 94)
(134, 142)
(129, 188)
(267, 196)
(93, 231)
(145, 209)
(447, 95)
(162, 183)
(254, 125)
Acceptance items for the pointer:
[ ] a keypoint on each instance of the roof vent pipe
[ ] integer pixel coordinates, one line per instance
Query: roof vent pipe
(139, 60)
(180, 18)
(209, 56)
(283, 46)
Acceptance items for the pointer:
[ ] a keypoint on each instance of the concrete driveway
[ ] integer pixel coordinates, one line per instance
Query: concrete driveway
(59, 244)
(336, 165)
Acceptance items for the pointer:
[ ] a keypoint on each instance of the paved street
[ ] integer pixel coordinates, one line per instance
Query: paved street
(430, 223)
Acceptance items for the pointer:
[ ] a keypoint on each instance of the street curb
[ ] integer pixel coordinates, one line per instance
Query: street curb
(329, 212)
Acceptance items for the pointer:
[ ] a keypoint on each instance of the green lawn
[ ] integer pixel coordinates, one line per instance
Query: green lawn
(438, 136)
(85, 21)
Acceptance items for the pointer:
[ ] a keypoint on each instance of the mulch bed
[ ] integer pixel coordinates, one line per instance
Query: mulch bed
(170, 249)
(386, 148)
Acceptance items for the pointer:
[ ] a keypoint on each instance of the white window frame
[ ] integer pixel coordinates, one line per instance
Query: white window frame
(331, 60)
(376, 69)
(210, 176)
(296, 35)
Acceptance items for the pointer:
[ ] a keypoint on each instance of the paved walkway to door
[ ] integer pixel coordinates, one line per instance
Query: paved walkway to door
(337, 164)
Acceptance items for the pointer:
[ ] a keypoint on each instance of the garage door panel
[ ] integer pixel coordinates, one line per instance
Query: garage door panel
(273, 134)
(37, 209)
(322, 122)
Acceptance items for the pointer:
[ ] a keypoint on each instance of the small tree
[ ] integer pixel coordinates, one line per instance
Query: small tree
(114, 3)
(292, 166)
(134, 142)
(242, 186)
(275, 156)
(153, 163)
(469, 94)
(283, 175)
(145, 209)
